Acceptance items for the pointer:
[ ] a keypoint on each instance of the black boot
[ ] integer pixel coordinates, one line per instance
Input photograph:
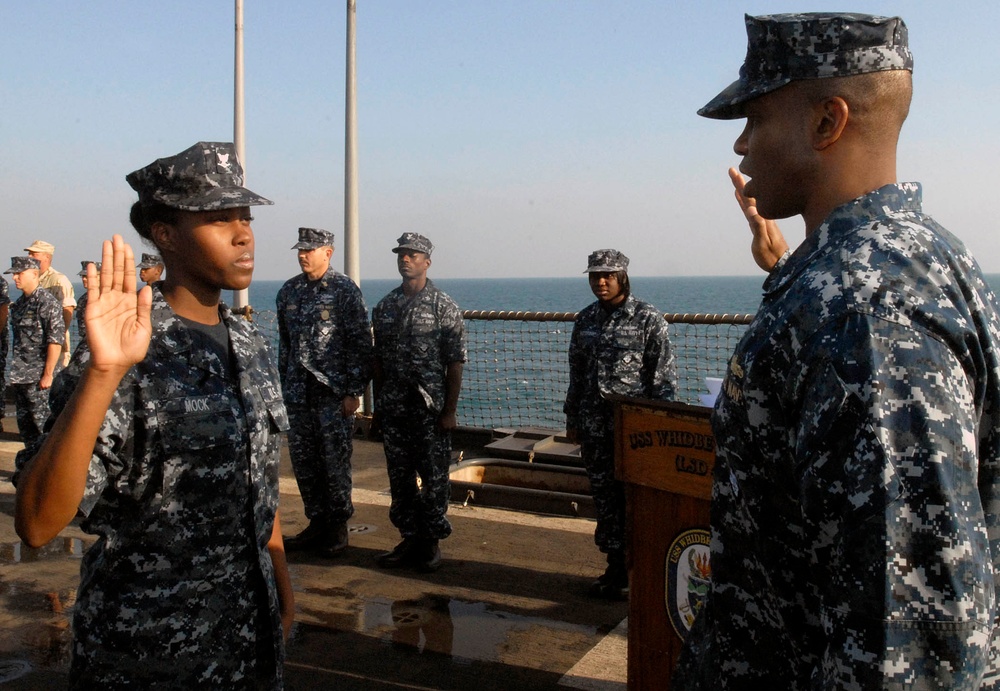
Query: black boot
(401, 555)
(336, 540)
(427, 557)
(312, 537)
(613, 585)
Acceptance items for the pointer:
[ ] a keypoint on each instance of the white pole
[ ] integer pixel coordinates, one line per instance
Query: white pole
(352, 237)
(241, 298)
(352, 245)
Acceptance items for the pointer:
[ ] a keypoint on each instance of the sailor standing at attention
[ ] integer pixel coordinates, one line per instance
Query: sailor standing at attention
(39, 333)
(619, 346)
(419, 356)
(325, 361)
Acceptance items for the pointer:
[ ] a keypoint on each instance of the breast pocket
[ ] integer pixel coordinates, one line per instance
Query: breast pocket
(205, 469)
(194, 423)
(325, 320)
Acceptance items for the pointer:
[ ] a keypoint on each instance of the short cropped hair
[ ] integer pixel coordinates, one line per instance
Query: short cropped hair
(878, 101)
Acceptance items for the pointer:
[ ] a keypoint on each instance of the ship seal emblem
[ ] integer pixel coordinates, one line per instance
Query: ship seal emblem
(688, 578)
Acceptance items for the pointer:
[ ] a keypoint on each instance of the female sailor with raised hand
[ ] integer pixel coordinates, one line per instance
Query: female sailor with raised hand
(165, 437)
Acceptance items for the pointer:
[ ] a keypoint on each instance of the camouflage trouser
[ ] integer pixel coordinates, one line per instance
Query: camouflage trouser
(416, 447)
(32, 406)
(3, 384)
(320, 442)
(598, 453)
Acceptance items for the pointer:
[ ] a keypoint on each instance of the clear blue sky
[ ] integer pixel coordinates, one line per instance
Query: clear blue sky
(519, 136)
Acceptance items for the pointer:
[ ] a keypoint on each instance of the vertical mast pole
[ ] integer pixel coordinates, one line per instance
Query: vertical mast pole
(352, 250)
(241, 298)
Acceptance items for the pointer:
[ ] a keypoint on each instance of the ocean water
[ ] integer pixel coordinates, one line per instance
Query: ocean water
(699, 294)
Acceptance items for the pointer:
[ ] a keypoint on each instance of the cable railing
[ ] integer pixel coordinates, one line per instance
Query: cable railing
(518, 368)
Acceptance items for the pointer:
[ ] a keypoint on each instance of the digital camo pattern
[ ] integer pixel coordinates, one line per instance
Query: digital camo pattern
(416, 338)
(19, 264)
(179, 591)
(4, 341)
(415, 242)
(320, 444)
(416, 447)
(855, 523)
(204, 177)
(148, 261)
(324, 354)
(313, 238)
(606, 261)
(81, 313)
(31, 406)
(782, 48)
(624, 351)
(323, 331)
(36, 321)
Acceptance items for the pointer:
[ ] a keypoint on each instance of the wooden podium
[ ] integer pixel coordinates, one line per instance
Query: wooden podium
(664, 452)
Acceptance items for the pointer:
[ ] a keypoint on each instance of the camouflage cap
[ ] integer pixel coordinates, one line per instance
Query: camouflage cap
(311, 238)
(41, 246)
(19, 264)
(149, 261)
(782, 48)
(205, 177)
(83, 267)
(606, 261)
(415, 242)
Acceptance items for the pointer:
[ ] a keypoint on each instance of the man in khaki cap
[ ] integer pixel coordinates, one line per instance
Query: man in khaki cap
(57, 284)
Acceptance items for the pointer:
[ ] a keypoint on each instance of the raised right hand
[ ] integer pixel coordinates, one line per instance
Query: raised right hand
(768, 243)
(117, 318)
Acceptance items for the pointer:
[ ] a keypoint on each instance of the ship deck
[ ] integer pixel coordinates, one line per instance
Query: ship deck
(507, 610)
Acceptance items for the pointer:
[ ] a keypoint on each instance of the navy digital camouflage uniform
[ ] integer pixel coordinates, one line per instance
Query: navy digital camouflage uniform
(81, 313)
(36, 321)
(81, 304)
(623, 351)
(4, 346)
(416, 338)
(324, 355)
(855, 524)
(854, 510)
(179, 589)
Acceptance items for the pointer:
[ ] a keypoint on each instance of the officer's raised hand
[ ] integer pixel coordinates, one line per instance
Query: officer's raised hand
(768, 244)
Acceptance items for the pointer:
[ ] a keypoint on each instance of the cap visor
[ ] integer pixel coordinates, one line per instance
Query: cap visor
(731, 101)
(218, 198)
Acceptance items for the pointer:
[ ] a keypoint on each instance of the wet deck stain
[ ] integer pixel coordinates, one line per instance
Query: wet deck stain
(19, 553)
(461, 630)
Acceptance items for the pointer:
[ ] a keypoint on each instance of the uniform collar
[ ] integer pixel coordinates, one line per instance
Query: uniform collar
(626, 306)
(171, 336)
(903, 197)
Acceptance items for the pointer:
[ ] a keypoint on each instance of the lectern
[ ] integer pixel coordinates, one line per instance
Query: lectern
(664, 452)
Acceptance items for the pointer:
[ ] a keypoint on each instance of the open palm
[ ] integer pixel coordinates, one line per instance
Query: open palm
(117, 318)
(768, 243)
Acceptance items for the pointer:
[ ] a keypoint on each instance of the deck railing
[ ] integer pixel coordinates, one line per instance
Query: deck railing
(517, 370)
